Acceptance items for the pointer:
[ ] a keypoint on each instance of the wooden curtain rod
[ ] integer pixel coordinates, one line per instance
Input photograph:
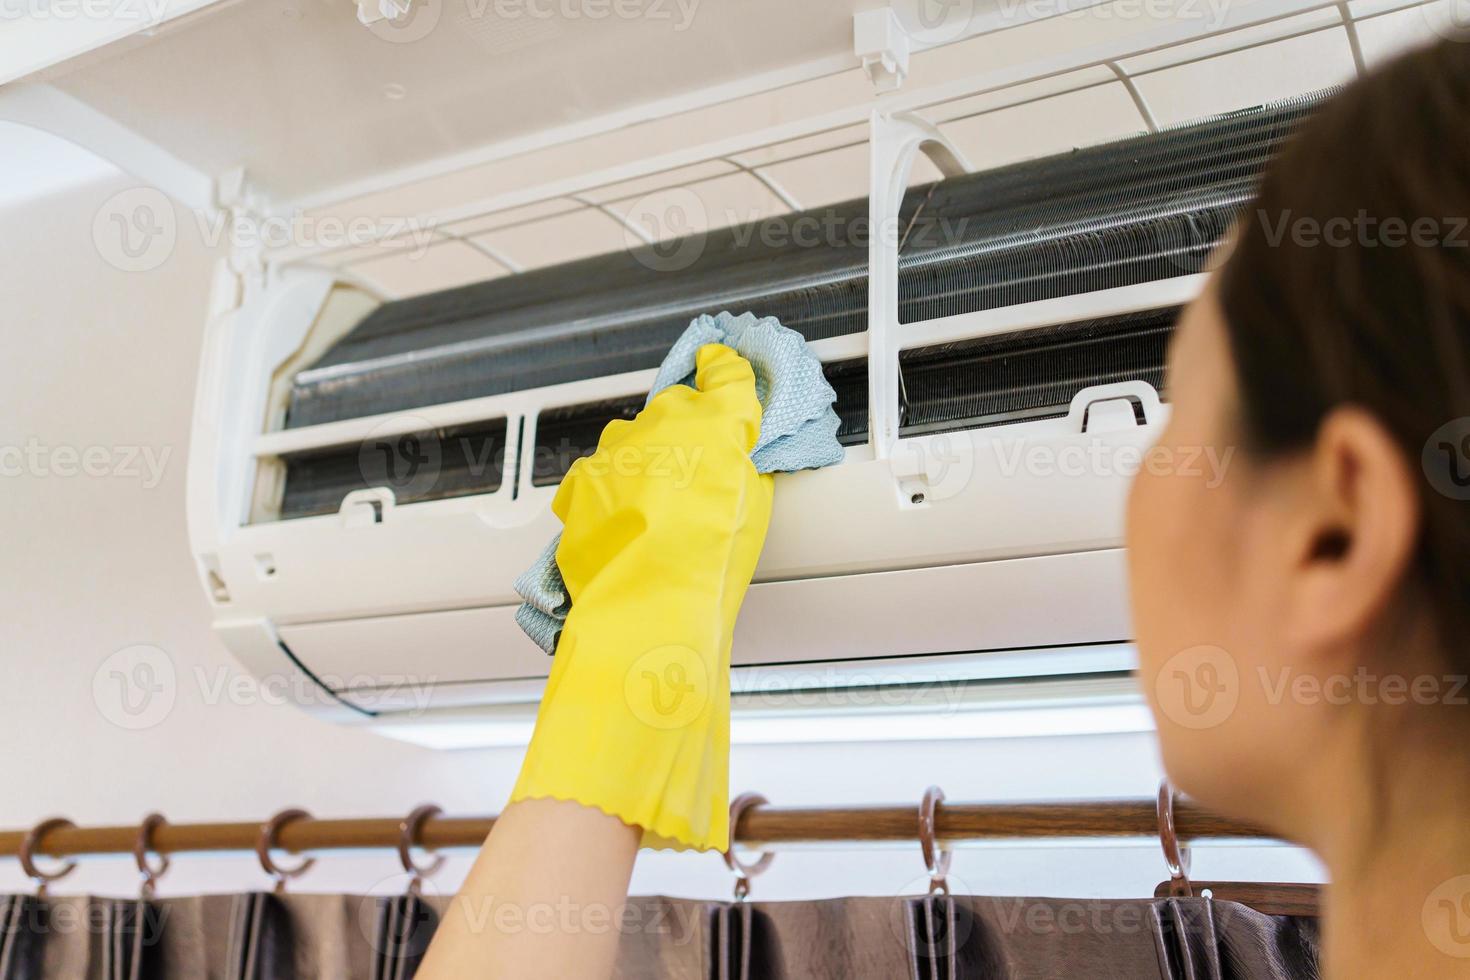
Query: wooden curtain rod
(765, 825)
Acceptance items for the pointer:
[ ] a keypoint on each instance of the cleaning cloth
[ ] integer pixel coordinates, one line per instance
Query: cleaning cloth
(798, 432)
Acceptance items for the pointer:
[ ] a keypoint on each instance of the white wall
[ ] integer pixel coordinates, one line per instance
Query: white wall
(96, 357)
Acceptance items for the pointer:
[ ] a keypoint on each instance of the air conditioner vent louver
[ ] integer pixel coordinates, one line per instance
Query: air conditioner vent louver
(565, 435)
(849, 380)
(1133, 211)
(428, 465)
(1025, 376)
(968, 385)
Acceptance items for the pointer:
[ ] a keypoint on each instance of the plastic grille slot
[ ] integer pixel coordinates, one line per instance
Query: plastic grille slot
(564, 435)
(849, 379)
(1031, 375)
(416, 466)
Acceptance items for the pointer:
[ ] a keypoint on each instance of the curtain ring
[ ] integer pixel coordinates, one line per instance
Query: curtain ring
(27, 854)
(1176, 856)
(408, 833)
(266, 842)
(936, 857)
(743, 871)
(141, 846)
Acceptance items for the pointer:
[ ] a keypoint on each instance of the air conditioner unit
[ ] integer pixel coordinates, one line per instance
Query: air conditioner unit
(369, 474)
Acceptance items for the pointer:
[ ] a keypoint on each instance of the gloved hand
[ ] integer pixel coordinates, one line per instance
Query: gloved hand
(664, 524)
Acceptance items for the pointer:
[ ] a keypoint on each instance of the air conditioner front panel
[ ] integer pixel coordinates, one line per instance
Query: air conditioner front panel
(985, 494)
(1058, 600)
(446, 647)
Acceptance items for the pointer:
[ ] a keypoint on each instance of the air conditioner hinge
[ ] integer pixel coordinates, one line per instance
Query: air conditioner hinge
(243, 213)
(882, 45)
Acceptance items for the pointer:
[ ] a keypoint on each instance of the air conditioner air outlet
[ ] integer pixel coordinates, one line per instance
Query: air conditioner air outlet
(428, 464)
(567, 433)
(1028, 375)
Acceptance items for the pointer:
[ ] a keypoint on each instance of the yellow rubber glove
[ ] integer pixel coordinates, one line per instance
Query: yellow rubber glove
(664, 524)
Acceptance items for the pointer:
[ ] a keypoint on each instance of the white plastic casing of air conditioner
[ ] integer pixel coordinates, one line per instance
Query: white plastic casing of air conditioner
(992, 552)
(964, 556)
(983, 554)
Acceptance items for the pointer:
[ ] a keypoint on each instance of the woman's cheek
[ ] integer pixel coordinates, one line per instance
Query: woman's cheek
(1170, 552)
(1141, 560)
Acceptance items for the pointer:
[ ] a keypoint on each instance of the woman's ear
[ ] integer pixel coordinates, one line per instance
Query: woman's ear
(1354, 534)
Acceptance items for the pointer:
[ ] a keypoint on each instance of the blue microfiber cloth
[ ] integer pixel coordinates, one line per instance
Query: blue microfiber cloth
(798, 432)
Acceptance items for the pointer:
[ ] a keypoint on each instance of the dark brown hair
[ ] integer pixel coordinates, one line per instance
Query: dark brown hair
(1349, 283)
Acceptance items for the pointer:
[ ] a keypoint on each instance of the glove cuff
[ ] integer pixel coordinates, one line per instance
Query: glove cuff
(642, 735)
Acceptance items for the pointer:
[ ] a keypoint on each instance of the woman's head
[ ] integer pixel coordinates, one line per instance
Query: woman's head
(1318, 596)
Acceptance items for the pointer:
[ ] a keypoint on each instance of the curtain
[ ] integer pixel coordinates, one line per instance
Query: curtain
(262, 936)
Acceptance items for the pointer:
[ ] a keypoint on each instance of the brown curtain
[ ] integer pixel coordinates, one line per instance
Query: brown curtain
(261, 936)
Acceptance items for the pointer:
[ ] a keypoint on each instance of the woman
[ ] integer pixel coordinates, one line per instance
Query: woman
(1300, 625)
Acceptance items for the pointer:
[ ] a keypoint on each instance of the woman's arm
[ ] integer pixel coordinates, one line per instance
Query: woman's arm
(543, 899)
(634, 724)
